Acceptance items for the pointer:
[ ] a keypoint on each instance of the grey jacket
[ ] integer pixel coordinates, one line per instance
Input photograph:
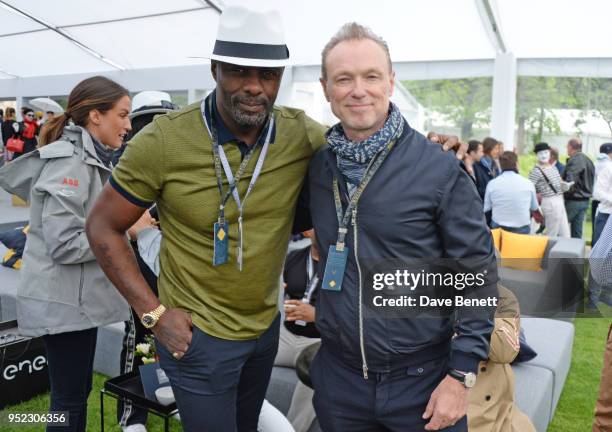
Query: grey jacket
(62, 288)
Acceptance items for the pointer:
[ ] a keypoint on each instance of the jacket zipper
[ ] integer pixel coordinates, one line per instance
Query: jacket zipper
(81, 283)
(361, 341)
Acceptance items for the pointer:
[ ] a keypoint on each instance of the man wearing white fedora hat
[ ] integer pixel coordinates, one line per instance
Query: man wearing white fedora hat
(216, 320)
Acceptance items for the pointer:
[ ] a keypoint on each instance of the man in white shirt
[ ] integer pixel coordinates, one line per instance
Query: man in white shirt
(510, 197)
(602, 192)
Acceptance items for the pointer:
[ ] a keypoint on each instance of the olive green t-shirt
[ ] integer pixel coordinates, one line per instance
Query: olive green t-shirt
(170, 162)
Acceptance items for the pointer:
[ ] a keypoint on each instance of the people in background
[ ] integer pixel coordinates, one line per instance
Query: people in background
(554, 160)
(550, 188)
(489, 171)
(472, 159)
(302, 284)
(604, 158)
(510, 197)
(50, 115)
(602, 192)
(500, 150)
(63, 294)
(581, 171)
(7, 129)
(27, 130)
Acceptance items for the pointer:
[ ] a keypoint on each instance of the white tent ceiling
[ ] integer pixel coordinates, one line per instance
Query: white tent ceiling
(119, 35)
(48, 46)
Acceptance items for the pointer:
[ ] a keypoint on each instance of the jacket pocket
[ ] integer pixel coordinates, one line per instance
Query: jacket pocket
(428, 367)
(325, 321)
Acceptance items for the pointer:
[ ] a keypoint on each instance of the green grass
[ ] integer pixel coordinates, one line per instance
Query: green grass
(40, 404)
(575, 409)
(574, 412)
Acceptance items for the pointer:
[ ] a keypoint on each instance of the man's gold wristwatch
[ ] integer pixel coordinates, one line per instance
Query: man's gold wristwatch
(149, 319)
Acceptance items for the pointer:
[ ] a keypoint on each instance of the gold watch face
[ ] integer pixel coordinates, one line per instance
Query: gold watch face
(148, 320)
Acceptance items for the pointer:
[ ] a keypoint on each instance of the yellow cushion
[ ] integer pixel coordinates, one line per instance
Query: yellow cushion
(497, 237)
(522, 251)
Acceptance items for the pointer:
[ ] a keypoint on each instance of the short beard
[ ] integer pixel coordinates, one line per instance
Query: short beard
(242, 118)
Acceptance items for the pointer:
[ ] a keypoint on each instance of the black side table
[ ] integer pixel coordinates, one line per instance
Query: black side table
(129, 388)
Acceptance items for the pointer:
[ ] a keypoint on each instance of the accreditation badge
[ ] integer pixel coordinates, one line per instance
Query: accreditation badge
(334, 268)
(221, 231)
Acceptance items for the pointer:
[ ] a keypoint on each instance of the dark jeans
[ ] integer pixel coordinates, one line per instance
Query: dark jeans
(596, 291)
(220, 384)
(519, 230)
(576, 211)
(70, 359)
(387, 402)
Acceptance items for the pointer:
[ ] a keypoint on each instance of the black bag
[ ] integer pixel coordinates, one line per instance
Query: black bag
(23, 366)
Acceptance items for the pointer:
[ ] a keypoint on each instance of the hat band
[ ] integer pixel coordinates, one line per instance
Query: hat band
(251, 51)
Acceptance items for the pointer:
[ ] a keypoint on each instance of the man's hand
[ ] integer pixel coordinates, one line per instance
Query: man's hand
(295, 310)
(174, 331)
(145, 221)
(447, 404)
(449, 142)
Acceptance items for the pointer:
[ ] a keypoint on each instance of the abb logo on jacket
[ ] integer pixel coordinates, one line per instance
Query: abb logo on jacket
(70, 182)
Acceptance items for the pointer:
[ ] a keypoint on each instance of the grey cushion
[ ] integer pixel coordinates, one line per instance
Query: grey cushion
(557, 287)
(281, 387)
(553, 341)
(108, 349)
(551, 243)
(528, 286)
(534, 393)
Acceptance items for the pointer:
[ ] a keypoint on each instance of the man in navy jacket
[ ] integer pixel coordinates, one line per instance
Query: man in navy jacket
(382, 368)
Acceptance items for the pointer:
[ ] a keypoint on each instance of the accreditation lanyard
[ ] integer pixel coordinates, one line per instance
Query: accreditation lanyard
(221, 227)
(338, 253)
(313, 281)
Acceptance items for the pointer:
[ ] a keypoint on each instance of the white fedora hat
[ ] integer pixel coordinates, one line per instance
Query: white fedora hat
(251, 38)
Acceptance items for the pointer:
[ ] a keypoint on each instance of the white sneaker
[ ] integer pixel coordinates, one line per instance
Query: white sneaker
(138, 427)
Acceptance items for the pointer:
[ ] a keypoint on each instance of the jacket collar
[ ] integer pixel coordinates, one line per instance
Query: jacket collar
(332, 162)
(80, 137)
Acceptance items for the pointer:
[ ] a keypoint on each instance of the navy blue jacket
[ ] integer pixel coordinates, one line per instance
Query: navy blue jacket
(420, 204)
(483, 176)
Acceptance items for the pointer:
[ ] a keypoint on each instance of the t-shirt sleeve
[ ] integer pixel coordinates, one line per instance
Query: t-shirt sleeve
(315, 132)
(140, 172)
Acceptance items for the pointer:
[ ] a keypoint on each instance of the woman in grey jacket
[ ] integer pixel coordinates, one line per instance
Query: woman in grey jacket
(63, 294)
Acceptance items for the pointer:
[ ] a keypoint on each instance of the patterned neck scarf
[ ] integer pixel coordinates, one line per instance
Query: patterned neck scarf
(354, 157)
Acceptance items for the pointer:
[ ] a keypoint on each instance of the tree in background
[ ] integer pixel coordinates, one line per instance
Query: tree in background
(600, 92)
(466, 103)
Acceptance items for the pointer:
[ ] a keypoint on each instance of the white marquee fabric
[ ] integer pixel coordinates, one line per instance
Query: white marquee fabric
(141, 34)
(48, 46)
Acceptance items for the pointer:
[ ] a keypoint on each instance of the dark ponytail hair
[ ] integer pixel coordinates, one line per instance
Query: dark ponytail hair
(95, 93)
